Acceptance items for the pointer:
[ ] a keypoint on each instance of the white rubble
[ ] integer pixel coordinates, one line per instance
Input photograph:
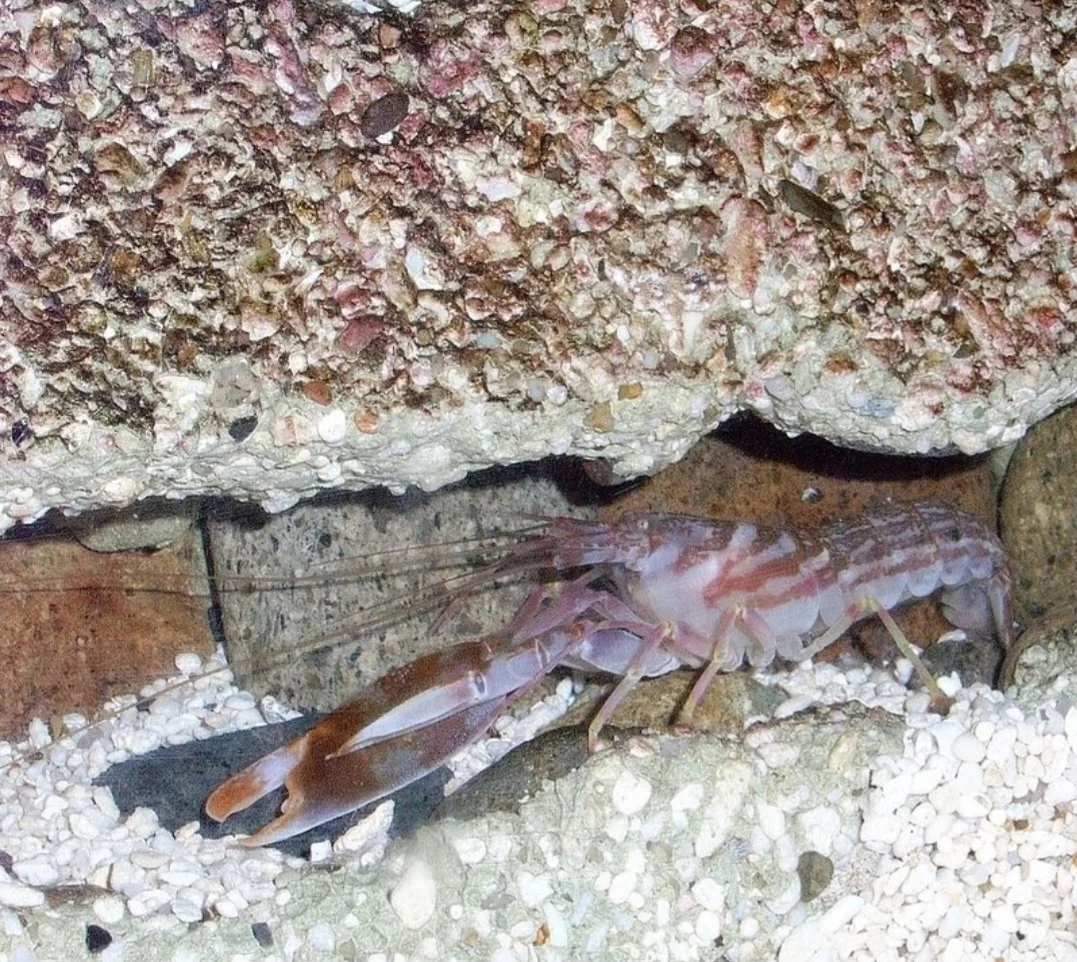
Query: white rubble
(941, 832)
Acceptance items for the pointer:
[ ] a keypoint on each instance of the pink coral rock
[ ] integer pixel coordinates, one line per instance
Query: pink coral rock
(474, 227)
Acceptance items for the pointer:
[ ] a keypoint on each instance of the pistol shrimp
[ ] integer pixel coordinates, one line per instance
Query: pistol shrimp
(637, 598)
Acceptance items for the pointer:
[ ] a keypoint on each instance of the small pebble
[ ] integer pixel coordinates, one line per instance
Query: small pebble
(413, 897)
(20, 896)
(226, 908)
(109, 909)
(469, 850)
(709, 894)
(688, 798)
(524, 929)
(968, 748)
(187, 910)
(630, 793)
(534, 889)
(188, 663)
(371, 835)
(815, 872)
(263, 935)
(321, 936)
(621, 886)
(708, 927)
(39, 871)
(841, 913)
(97, 939)
(240, 702)
(39, 733)
(333, 427)
(793, 705)
(148, 902)
(771, 820)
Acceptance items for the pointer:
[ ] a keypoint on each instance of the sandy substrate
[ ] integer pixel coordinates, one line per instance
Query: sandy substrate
(948, 838)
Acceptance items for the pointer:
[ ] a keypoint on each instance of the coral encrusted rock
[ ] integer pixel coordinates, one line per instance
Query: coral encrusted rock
(264, 248)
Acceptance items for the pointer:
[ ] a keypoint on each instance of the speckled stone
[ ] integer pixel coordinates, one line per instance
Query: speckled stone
(815, 872)
(609, 228)
(1038, 522)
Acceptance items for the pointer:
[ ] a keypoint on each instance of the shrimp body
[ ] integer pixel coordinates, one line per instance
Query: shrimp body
(793, 588)
(657, 591)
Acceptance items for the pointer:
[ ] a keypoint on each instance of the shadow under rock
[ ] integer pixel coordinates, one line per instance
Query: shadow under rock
(175, 781)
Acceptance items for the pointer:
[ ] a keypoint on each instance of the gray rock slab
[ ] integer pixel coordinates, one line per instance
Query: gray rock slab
(327, 571)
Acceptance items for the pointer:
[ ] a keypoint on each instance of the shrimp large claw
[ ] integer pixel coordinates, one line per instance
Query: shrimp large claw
(323, 785)
(408, 723)
(324, 775)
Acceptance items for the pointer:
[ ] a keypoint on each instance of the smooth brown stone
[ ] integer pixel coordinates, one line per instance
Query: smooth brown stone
(79, 626)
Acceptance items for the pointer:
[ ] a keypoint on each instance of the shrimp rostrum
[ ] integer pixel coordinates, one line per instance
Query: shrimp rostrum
(656, 592)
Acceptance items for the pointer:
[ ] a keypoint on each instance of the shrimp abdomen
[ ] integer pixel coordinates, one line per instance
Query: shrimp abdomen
(898, 552)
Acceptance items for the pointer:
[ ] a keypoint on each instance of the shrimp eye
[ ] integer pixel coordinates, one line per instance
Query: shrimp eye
(643, 524)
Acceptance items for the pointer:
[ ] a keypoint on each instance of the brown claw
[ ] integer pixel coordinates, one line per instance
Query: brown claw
(255, 781)
(321, 788)
(327, 776)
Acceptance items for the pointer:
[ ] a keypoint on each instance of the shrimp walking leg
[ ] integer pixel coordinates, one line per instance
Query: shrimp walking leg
(650, 644)
(906, 648)
(869, 605)
(730, 619)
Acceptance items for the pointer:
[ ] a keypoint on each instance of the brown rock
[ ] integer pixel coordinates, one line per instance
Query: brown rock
(82, 626)
(1039, 524)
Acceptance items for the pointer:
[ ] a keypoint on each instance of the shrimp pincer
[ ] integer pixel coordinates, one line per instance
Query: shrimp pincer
(656, 592)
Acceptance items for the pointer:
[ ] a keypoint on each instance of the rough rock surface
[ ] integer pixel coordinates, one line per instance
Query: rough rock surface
(644, 847)
(263, 249)
(1044, 663)
(1039, 525)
